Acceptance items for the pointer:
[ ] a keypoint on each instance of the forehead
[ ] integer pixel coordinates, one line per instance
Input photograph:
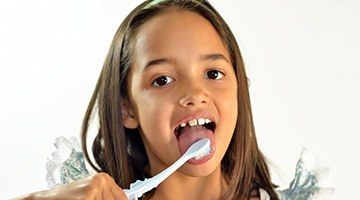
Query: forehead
(177, 34)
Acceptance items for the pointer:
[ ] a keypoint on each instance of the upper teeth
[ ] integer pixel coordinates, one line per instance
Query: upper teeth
(194, 122)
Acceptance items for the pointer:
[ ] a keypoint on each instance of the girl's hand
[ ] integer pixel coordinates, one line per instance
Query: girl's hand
(96, 187)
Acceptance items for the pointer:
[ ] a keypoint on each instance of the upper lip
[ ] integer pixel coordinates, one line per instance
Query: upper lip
(196, 115)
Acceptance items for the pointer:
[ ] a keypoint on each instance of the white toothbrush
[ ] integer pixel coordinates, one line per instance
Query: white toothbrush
(197, 150)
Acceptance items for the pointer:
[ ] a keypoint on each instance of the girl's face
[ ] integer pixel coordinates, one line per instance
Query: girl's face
(181, 70)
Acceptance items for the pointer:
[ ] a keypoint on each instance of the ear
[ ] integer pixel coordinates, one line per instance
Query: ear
(128, 118)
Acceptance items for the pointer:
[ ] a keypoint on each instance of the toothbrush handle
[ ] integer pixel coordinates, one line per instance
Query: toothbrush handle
(138, 188)
(168, 171)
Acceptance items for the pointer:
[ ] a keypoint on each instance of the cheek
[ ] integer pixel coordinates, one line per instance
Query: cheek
(154, 115)
(229, 111)
(154, 118)
(153, 110)
(229, 101)
(230, 115)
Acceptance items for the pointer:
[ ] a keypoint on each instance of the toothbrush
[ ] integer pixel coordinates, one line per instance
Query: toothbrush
(197, 150)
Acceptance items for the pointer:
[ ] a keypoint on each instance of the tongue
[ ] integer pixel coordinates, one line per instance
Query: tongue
(191, 135)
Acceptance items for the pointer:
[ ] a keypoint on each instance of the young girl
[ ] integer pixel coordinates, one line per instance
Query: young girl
(172, 63)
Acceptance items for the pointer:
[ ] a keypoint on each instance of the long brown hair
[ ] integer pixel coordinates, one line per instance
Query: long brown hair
(120, 152)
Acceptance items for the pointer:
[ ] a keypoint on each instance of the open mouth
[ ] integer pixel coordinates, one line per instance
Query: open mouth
(208, 125)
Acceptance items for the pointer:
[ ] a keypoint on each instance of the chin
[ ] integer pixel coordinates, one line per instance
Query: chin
(200, 170)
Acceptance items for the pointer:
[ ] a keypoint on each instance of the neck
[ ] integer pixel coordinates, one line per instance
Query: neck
(212, 186)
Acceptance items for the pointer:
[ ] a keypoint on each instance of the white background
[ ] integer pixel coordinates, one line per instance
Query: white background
(302, 58)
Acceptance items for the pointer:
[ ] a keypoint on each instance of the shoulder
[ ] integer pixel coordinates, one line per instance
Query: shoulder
(258, 193)
(255, 195)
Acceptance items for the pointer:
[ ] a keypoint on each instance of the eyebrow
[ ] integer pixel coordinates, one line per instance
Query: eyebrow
(206, 57)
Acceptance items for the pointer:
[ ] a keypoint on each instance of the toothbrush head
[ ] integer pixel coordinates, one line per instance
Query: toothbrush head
(200, 149)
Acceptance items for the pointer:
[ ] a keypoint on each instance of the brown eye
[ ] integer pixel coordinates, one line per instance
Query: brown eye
(161, 81)
(214, 74)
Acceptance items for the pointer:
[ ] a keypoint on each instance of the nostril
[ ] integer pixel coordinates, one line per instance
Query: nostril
(190, 104)
(193, 98)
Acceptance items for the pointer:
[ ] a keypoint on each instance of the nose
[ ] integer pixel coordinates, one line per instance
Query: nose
(193, 96)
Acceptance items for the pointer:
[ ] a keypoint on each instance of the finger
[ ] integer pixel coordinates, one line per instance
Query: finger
(99, 196)
(116, 191)
(107, 195)
(94, 193)
(99, 184)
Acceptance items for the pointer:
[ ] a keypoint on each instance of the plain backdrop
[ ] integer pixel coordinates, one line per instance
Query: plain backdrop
(302, 59)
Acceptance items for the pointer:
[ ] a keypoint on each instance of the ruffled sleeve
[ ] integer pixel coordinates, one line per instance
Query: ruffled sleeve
(312, 180)
(66, 164)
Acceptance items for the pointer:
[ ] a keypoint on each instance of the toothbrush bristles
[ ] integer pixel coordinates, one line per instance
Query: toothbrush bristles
(202, 153)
